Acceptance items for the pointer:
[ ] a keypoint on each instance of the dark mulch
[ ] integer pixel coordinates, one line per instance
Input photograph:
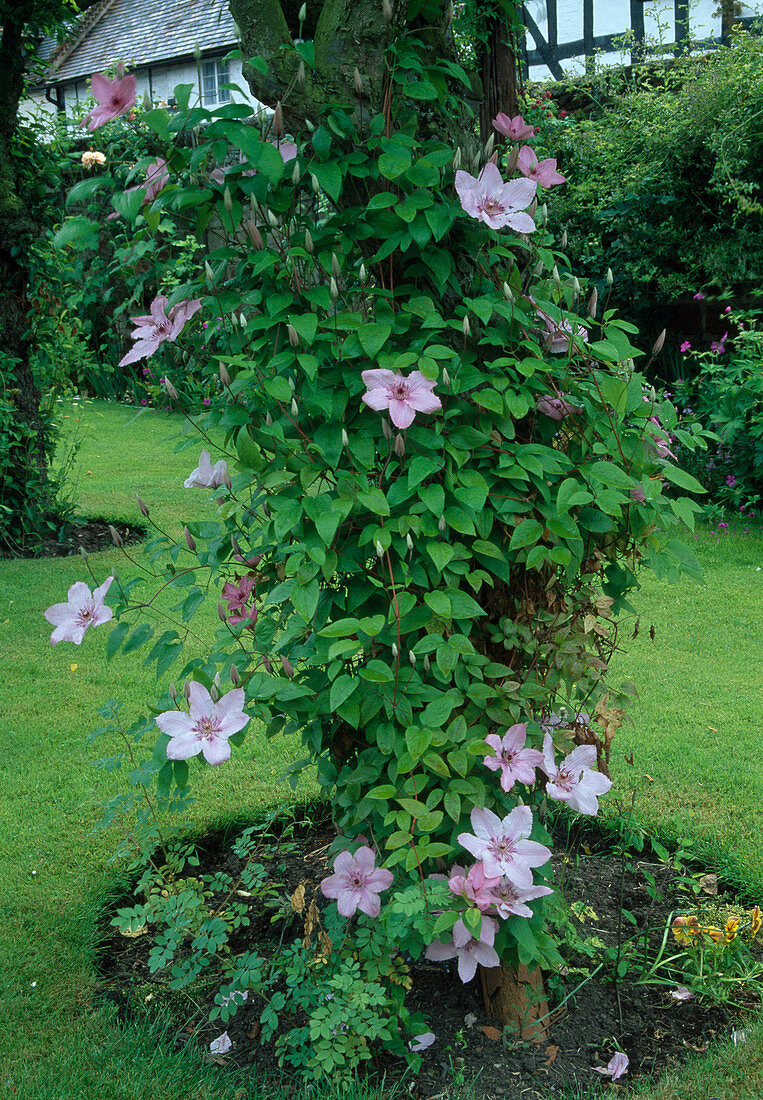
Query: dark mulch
(90, 535)
(654, 1030)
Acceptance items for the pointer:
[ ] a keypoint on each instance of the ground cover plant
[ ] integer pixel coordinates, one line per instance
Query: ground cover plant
(60, 1039)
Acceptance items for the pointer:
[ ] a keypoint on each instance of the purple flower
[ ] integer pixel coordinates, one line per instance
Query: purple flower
(719, 346)
(288, 151)
(143, 401)
(206, 401)
(515, 762)
(510, 899)
(699, 296)
(502, 845)
(686, 346)
(158, 326)
(206, 728)
(543, 172)
(637, 494)
(515, 128)
(556, 407)
(207, 476)
(494, 202)
(83, 609)
(236, 596)
(113, 98)
(573, 781)
(222, 1044)
(468, 950)
(616, 1067)
(357, 883)
(156, 178)
(475, 887)
(404, 397)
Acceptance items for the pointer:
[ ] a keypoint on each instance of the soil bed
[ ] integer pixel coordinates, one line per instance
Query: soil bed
(652, 1028)
(90, 535)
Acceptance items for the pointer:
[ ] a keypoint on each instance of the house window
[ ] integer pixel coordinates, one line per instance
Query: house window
(213, 75)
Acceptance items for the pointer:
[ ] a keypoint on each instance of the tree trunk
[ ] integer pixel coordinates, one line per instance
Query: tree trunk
(499, 72)
(517, 997)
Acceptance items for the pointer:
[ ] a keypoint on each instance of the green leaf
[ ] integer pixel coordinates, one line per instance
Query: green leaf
(139, 637)
(441, 554)
(341, 690)
(116, 637)
(526, 534)
(80, 231)
(439, 603)
(329, 176)
(452, 804)
(683, 480)
(418, 741)
(375, 500)
(373, 337)
(394, 161)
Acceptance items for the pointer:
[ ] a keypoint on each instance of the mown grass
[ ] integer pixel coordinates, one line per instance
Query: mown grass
(59, 1041)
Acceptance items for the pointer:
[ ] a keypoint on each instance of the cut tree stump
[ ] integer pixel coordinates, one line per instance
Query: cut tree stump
(517, 997)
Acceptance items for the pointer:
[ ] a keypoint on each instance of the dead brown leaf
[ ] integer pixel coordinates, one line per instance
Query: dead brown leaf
(709, 884)
(698, 1048)
(552, 1052)
(492, 1033)
(298, 899)
(254, 1030)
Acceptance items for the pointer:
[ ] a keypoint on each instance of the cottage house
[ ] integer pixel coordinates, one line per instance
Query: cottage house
(162, 44)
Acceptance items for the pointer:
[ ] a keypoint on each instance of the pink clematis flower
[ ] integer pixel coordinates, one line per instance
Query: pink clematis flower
(422, 1042)
(208, 726)
(288, 151)
(468, 950)
(236, 596)
(357, 883)
(637, 494)
(494, 202)
(515, 128)
(543, 172)
(154, 328)
(556, 407)
(558, 336)
(511, 900)
(681, 993)
(156, 178)
(503, 846)
(476, 886)
(616, 1067)
(207, 476)
(661, 444)
(83, 609)
(511, 758)
(404, 397)
(113, 98)
(573, 781)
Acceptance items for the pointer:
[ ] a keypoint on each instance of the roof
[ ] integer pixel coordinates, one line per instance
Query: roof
(141, 33)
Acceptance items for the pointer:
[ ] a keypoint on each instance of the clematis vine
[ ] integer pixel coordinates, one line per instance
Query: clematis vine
(502, 845)
(206, 728)
(515, 762)
(113, 98)
(82, 610)
(494, 202)
(404, 397)
(469, 951)
(357, 883)
(159, 326)
(515, 128)
(207, 476)
(573, 781)
(543, 172)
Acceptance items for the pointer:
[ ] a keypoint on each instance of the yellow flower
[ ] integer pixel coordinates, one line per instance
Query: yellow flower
(757, 920)
(731, 929)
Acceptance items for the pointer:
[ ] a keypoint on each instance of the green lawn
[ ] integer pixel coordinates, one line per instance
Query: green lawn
(695, 734)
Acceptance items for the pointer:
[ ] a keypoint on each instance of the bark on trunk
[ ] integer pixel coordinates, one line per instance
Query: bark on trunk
(517, 997)
(499, 75)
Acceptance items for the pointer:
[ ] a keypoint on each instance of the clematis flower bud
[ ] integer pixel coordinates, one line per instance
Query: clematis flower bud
(427, 662)
(334, 265)
(563, 241)
(412, 658)
(171, 391)
(314, 182)
(457, 159)
(387, 10)
(345, 438)
(242, 319)
(333, 288)
(209, 272)
(555, 276)
(293, 336)
(610, 277)
(173, 693)
(287, 666)
(539, 268)
(310, 126)
(441, 523)
(187, 690)
(268, 420)
(362, 273)
(395, 651)
(658, 344)
(379, 549)
(357, 80)
(302, 14)
(142, 506)
(278, 120)
(292, 384)
(445, 376)
(490, 145)
(593, 302)
(409, 541)
(544, 213)
(227, 479)
(507, 292)
(295, 173)
(400, 445)
(227, 200)
(233, 319)
(513, 160)
(190, 540)
(532, 208)
(224, 376)
(254, 234)
(116, 538)
(272, 219)
(466, 328)
(216, 681)
(301, 74)
(235, 679)
(576, 288)
(387, 431)
(294, 407)
(309, 246)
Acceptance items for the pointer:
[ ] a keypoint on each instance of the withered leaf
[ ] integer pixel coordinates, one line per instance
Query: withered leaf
(492, 1033)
